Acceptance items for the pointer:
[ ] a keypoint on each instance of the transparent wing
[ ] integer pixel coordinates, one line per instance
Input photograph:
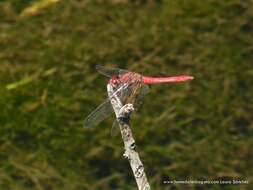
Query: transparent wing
(115, 128)
(140, 98)
(139, 101)
(109, 72)
(99, 114)
(103, 111)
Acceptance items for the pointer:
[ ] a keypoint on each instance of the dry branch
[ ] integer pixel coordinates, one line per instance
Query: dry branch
(122, 113)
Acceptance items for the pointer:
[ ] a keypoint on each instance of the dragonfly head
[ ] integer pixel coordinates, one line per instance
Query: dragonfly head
(114, 81)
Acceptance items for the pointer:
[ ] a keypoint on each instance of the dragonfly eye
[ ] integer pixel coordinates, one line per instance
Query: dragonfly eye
(114, 80)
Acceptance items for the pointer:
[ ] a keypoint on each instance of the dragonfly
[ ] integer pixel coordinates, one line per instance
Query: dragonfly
(129, 87)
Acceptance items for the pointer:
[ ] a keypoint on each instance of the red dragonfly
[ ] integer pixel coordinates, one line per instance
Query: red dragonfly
(130, 87)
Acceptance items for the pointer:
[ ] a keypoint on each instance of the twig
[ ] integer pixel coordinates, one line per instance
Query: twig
(122, 113)
(36, 7)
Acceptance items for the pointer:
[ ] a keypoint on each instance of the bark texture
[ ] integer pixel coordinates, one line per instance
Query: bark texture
(122, 113)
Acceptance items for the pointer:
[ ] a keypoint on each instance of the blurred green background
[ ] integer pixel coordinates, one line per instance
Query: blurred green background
(199, 130)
